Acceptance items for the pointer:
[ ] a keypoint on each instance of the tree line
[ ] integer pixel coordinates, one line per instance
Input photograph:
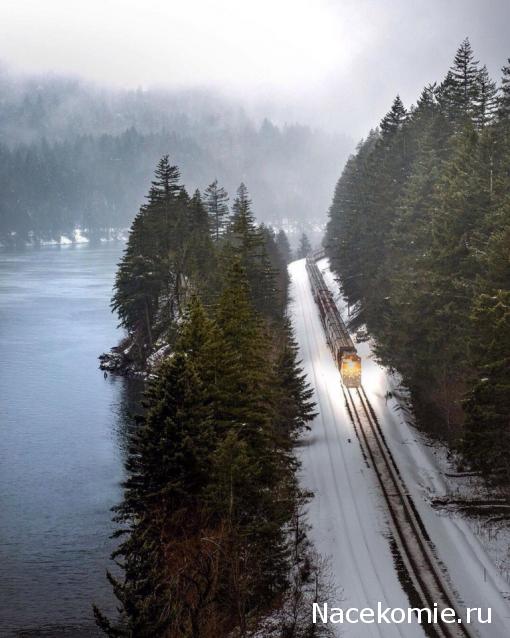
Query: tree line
(419, 235)
(72, 156)
(212, 527)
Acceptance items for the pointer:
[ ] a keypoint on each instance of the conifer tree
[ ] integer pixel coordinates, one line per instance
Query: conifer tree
(487, 437)
(211, 491)
(395, 118)
(250, 243)
(305, 247)
(243, 337)
(216, 199)
(504, 97)
(168, 468)
(165, 184)
(460, 90)
(487, 99)
(416, 235)
(137, 285)
(198, 250)
(295, 404)
(282, 241)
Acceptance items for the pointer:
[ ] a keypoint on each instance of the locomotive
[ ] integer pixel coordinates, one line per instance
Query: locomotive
(338, 338)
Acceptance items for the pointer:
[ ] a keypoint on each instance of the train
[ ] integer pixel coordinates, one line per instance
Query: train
(337, 335)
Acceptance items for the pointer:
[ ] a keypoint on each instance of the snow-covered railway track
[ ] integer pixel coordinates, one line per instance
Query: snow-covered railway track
(409, 532)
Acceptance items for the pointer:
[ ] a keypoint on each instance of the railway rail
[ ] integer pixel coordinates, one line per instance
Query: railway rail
(408, 530)
(411, 538)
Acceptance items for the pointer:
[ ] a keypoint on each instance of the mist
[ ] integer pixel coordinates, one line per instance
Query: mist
(276, 95)
(336, 65)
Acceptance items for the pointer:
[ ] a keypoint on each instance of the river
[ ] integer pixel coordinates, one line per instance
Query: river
(62, 438)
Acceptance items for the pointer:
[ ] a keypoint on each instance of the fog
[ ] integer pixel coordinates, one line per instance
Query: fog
(330, 63)
(273, 93)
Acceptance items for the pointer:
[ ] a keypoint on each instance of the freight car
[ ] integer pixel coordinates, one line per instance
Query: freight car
(338, 338)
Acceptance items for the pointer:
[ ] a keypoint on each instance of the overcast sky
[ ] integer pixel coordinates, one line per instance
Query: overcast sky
(336, 63)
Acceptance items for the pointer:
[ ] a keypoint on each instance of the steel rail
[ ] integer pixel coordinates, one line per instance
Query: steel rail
(408, 530)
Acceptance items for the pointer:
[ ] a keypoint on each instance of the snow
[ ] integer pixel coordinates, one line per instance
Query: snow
(347, 517)
(347, 514)
(79, 238)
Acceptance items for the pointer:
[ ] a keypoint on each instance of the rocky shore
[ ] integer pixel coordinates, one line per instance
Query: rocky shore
(120, 360)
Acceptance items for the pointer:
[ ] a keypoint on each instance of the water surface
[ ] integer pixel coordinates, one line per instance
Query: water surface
(61, 438)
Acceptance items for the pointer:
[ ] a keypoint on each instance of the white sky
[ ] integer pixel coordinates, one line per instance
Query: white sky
(334, 62)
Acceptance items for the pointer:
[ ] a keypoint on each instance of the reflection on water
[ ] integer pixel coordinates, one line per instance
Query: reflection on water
(62, 438)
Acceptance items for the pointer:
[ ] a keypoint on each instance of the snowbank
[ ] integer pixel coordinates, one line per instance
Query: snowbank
(462, 543)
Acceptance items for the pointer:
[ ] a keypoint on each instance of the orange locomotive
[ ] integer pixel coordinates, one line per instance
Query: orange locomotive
(338, 338)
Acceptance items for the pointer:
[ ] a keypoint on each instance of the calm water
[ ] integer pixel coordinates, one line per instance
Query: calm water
(62, 429)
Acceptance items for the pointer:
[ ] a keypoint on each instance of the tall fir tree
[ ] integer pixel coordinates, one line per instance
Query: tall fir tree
(282, 241)
(305, 247)
(504, 97)
(168, 468)
(216, 199)
(487, 102)
(395, 118)
(249, 242)
(459, 93)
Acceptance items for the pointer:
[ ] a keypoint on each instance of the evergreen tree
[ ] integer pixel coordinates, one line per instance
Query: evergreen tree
(417, 236)
(165, 184)
(168, 468)
(295, 404)
(216, 199)
(198, 252)
(305, 247)
(394, 119)
(487, 103)
(504, 97)
(282, 241)
(459, 93)
(211, 492)
(487, 436)
(250, 243)
(137, 286)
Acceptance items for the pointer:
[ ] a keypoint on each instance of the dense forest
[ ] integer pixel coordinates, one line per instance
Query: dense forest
(74, 156)
(419, 235)
(213, 535)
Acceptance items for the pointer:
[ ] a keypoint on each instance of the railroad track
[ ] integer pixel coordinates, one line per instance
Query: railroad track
(409, 532)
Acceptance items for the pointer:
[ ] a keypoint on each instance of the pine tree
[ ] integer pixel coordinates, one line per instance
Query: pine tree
(459, 93)
(394, 119)
(198, 251)
(282, 241)
(168, 468)
(243, 339)
(295, 405)
(149, 270)
(216, 199)
(165, 184)
(137, 285)
(211, 492)
(487, 99)
(305, 247)
(504, 97)
(487, 432)
(249, 242)
(416, 234)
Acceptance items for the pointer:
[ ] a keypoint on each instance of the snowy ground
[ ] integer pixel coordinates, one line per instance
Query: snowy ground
(77, 236)
(348, 515)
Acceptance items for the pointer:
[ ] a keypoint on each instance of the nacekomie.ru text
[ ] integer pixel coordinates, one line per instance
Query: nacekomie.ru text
(322, 613)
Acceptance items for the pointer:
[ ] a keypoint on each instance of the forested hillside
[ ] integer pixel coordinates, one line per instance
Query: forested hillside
(214, 539)
(419, 235)
(73, 156)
